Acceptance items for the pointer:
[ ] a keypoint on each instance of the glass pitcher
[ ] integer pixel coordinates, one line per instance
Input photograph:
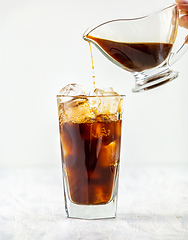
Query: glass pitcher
(142, 46)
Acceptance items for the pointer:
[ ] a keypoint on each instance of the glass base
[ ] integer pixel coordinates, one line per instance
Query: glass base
(100, 211)
(145, 82)
(107, 210)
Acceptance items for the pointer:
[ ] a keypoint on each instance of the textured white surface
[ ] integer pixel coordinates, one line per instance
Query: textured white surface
(153, 204)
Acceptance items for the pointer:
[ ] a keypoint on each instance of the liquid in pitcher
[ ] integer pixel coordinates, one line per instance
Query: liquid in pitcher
(135, 57)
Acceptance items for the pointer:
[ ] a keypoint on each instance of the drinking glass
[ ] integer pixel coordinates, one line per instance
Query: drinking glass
(90, 137)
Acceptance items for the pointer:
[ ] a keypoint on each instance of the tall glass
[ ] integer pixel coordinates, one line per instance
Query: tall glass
(90, 136)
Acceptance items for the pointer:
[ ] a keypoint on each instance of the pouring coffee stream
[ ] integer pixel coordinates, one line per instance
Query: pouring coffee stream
(92, 65)
(142, 46)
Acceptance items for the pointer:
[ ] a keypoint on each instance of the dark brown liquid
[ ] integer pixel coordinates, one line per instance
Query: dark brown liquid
(135, 56)
(90, 154)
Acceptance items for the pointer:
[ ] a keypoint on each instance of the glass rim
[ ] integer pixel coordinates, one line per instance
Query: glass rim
(89, 96)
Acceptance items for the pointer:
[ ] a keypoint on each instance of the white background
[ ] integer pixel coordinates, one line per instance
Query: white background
(42, 50)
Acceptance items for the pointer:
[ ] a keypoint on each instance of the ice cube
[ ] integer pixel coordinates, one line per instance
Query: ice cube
(106, 101)
(72, 89)
(103, 92)
(66, 141)
(61, 112)
(68, 93)
(100, 195)
(71, 107)
(107, 155)
(98, 130)
(77, 110)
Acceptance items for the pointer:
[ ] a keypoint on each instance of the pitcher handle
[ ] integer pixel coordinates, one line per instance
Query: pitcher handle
(175, 56)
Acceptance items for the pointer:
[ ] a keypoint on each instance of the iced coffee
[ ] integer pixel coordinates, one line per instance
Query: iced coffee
(90, 136)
